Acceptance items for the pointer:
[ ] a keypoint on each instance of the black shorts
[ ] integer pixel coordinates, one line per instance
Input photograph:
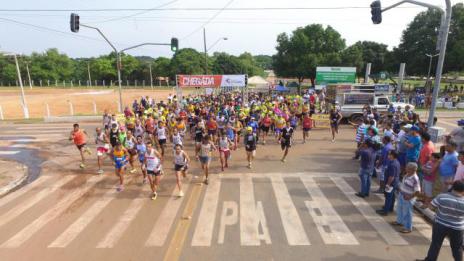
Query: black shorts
(180, 167)
(162, 141)
(79, 147)
(285, 144)
(265, 129)
(334, 125)
(154, 173)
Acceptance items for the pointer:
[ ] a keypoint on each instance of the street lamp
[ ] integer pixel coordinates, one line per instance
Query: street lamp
(23, 96)
(428, 73)
(209, 48)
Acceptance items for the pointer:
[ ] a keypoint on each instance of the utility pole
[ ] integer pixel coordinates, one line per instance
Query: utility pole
(88, 72)
(23, 96)
(427, 89)
(206, 51)
(151, 76)
(441, 43)
(28, 75)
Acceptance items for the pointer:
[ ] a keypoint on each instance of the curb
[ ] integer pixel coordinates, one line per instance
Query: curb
(15, 183)
(71, 119)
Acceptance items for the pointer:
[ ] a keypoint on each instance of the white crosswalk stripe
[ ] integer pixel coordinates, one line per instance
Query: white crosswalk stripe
(245, 214)
(18, 210)
(9, 152)
(293, 227)
(383, 228)
(204, 228)
(166, 219)
(28, 231)
(325, 216)
(19, 193)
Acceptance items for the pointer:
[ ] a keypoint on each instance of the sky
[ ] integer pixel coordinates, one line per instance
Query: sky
(253, 31)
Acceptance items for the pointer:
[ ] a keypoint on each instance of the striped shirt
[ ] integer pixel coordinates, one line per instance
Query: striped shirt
(450, 210)
(410, 185)
(360, 132)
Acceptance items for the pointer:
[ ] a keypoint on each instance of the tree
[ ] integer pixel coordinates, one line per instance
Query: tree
(249, 66)
(51, 65)
(299, 54)
(187, 61)
(224, 63)
(420, 38)
(361, 53)
(7, 70)
(263, 61)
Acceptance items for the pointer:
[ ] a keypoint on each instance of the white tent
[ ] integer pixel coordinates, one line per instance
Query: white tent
(258, 81)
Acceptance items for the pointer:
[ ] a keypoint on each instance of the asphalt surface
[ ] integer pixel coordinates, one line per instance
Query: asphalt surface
(304, 209)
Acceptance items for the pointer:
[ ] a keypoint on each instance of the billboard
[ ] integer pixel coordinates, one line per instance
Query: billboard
(325, 75)
(211, 81)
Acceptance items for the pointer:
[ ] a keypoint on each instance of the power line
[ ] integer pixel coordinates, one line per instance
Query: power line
(197, 9)
(138, 13)
(208, 21)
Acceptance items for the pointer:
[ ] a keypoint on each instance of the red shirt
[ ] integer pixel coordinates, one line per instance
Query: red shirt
(307, 123)
(426, 151)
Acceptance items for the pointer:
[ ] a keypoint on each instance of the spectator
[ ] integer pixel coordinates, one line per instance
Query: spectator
(429, 171)
(367, 163)
(408, 190)
(460, 170)
(458, 136)
(383, 161)
(391, 178)
(425, 153)
(449, 222)
(403, 135)
(413, 145)
(448, 166)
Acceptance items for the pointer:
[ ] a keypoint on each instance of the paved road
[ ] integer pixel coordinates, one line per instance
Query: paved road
(304, 209)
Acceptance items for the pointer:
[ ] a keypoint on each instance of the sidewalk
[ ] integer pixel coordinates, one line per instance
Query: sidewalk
(12, 175)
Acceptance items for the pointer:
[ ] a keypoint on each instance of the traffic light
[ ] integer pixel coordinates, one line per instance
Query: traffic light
(174, 44)
(74, 23)
(376, 11)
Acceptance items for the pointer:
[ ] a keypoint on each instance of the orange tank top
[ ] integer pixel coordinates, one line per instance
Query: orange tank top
(79, 137)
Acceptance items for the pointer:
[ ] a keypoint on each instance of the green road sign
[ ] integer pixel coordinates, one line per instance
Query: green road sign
(326, 75)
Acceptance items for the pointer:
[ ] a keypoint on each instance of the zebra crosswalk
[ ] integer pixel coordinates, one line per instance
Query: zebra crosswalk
(212, 222)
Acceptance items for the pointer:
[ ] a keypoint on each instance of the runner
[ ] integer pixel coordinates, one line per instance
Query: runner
(176, 138)
(224, 150)
(161, 137)
(212, 127)
(120, 155)
(205, 155)
(102, 142)
(286, 139)
(307, 126)
(79, 138)
(153, 160)
(199, 134)
(335, 118)
(265, 124)
(141, 150)
(130, 145)
(250, 145)
(114, 134)
(181, 161)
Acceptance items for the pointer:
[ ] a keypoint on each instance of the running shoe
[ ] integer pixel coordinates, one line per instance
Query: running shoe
(120, 188)
(181, 194)
(100, 171)
(206, 182)
(145, 180)
(283, 160)
(133, 171)
(82, 165)
(88, 151)
(154, 196)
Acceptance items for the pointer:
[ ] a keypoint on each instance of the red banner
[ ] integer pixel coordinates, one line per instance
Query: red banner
(205, 81)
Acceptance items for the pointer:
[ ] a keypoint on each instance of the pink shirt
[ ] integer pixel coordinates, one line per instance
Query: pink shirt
(459, 172)
(427, 150)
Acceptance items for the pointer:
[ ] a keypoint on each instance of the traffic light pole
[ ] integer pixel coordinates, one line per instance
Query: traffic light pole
(118, 58)
(442, 41)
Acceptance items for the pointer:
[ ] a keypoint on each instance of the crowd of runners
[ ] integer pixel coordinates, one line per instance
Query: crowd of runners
(147, 131)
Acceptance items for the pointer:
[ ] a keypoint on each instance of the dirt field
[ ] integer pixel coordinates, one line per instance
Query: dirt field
(82, 100)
